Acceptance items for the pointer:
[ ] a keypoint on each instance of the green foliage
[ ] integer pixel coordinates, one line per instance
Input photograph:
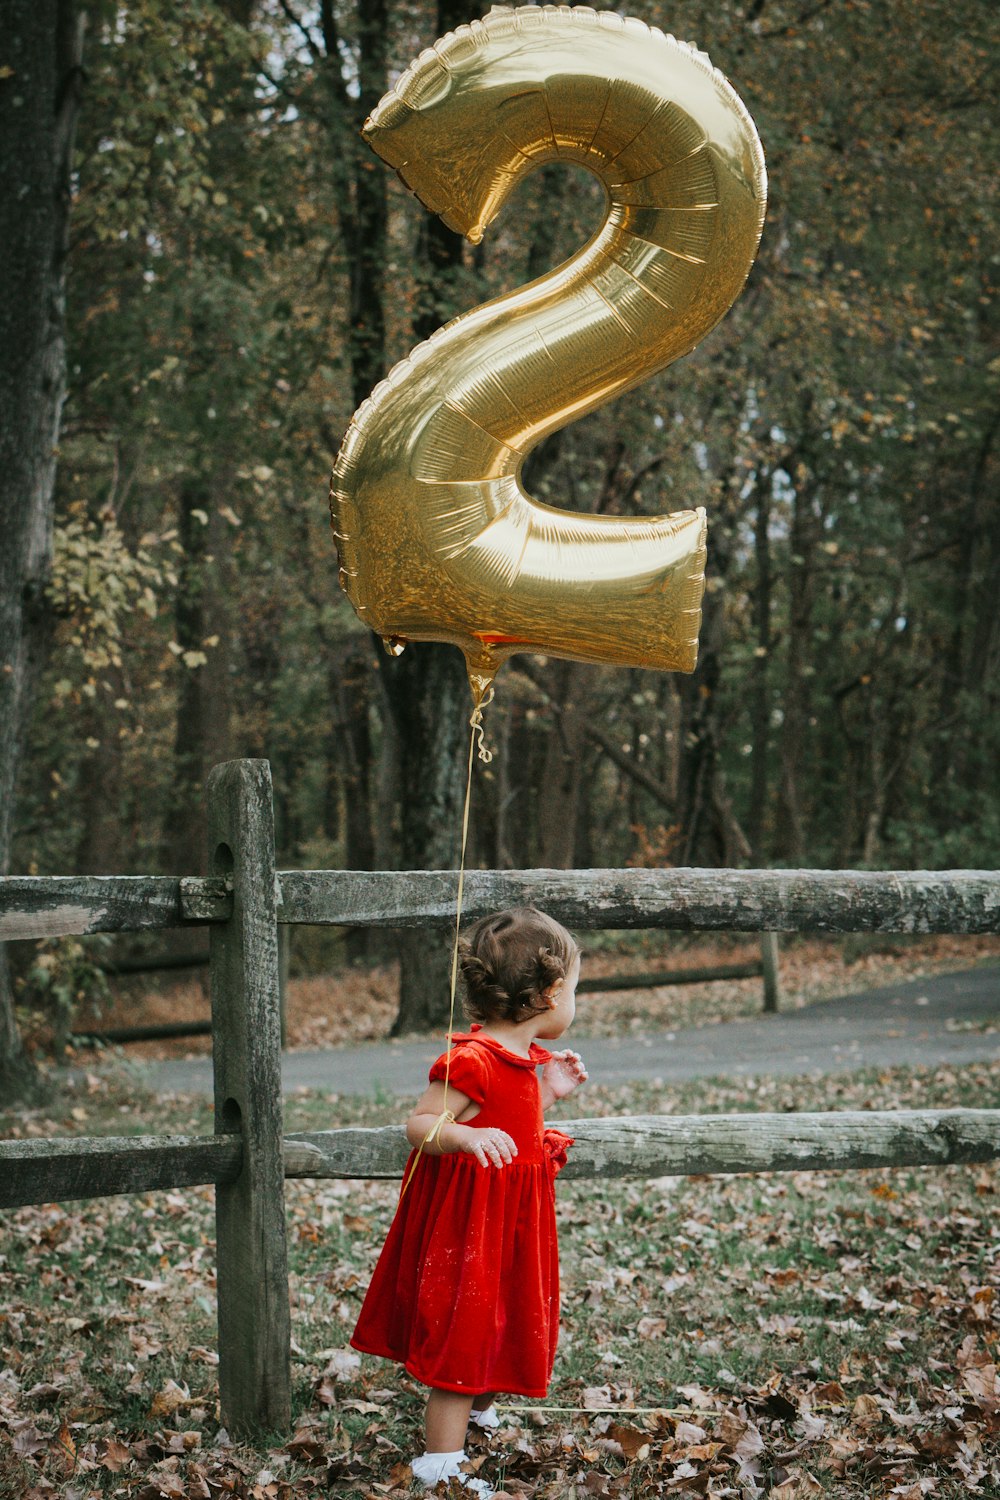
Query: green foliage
(65, 975)
(846, 407)
(96, 584)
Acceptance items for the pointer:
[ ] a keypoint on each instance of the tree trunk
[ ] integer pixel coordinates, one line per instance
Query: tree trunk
(760, 698)
(704, 813)
(366, 265)
(569, 682)
(101, 848)
(972, 767)
(791, 841)
(201, 737)
(513, 849)
(430, 704)
(202, 618)
(38, 108)
(584, 855)
(350, 681)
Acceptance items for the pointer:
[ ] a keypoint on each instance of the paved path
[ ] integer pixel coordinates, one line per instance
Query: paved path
(936, 1020)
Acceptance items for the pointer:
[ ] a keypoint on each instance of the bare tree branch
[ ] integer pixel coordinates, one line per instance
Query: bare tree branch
(626, 763)
(315, 52)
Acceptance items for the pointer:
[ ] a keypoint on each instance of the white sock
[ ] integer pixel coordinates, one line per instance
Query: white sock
(430, 1467)
(487, 1417)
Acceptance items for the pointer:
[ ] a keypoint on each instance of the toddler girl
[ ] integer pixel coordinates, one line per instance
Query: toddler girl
(466, 1290)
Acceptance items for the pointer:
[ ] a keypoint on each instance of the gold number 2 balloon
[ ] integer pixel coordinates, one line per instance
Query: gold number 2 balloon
(435, 536)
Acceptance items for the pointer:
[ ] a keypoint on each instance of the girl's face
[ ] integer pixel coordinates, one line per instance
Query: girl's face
(560, 1017)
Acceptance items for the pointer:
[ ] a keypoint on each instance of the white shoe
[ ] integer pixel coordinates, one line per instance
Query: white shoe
(485, 1418)
(429, 1468)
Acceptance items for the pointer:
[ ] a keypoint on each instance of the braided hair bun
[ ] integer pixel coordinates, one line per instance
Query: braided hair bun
(509, 959)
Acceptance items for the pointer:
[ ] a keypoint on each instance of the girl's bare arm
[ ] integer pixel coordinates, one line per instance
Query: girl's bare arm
(561, 1076)
(492, 1147)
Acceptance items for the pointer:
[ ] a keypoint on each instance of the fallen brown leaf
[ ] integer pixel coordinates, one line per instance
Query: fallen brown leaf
(115, 1456)
(981, 1380)
(800, 1485)
(866, 1410)
(634, 1442)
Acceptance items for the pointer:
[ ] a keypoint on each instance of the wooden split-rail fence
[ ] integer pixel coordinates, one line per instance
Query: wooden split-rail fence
(248, 1158)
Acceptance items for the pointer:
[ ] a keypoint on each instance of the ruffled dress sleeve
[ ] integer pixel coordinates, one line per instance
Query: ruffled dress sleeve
(466, 1071)
(555, 1145)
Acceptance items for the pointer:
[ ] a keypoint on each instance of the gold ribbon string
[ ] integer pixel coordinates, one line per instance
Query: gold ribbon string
(640, 1411)
(619, 1411)
(443, 1119)
(476, 741)
(485, 754)
(477, 734)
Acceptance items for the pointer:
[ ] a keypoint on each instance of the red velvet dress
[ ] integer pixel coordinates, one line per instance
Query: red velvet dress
(466, 1291)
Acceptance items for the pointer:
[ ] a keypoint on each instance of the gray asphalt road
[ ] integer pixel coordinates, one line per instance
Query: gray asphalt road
(948, 1018)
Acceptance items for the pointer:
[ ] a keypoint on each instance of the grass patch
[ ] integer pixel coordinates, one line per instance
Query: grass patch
(810, 1333)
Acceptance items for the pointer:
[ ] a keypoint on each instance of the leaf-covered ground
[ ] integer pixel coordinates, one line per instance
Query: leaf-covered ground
(795, 1335)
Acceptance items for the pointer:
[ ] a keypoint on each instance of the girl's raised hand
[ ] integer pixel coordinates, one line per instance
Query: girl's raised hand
(564, 1073)
(491, 1146)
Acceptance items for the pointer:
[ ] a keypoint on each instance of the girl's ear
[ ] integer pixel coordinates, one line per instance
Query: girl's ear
(551, 993)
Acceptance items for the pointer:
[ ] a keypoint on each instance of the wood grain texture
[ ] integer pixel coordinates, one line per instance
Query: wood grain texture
(681, 900)
(46, 906)
(771, 970)
(254, 1319)
(684, 900)
(682, 1145)
(53, 1171)
(631, 1146)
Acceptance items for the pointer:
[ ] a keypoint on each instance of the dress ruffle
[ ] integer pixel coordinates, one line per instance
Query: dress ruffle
(555, 1144)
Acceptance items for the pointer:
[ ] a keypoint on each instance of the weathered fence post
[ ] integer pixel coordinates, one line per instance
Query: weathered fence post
(284, 959)
(252, 1274)
(769, 959)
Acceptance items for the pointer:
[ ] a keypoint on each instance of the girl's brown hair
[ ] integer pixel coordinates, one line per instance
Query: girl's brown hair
(508, 959)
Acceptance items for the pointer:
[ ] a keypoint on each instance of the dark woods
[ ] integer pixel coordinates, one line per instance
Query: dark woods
(241, 271)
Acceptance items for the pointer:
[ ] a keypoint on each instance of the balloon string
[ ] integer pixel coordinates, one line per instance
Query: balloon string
(443, 1118)
(485, 754)
(477, 732)
(476, 737)
(639, 1411)
(620, 1411)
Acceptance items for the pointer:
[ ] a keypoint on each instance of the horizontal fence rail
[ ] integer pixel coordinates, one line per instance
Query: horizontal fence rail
(690, 1145)
(168, 1031)
(46, 906)
(43, 1171)
(684, 899)
(917, 901)
(97, 1166)
(657, 978)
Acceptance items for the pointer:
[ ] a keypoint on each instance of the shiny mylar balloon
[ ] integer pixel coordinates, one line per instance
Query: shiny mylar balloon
(436, 538)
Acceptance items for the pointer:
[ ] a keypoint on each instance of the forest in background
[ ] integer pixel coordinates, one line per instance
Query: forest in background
(242, 269)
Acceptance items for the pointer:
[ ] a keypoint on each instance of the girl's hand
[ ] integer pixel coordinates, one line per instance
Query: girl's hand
(491, 1147)
(563, 1074)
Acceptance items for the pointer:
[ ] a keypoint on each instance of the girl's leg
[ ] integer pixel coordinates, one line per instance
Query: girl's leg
(447, 1421)
(483, 1414)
